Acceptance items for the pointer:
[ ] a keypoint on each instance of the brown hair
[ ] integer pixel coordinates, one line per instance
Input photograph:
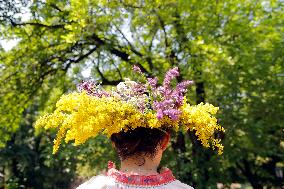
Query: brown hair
(138, 141)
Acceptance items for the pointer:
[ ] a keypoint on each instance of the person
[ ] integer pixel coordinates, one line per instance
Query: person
(140, 152)
(138, 117)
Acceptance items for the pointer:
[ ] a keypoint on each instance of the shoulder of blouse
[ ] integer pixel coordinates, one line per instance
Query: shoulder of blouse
(179, 185)
(100, 182)
(103, 182)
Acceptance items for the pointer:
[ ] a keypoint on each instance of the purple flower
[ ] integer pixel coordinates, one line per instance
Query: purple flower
(168, 100)
(139, 88)
(153, 82)
(170, 75)
(172, 113)
(136, 69)
(179, 92)
(160, 114)
(183, 85)
(166, 108)
(165, 100)
(178, 98)
(87, 86)
(92, 88)
(168, 103)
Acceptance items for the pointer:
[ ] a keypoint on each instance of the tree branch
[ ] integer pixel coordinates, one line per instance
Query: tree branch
(171, 56)
(84, 55)
(128, 42)
(105, 81)
(57, 26)
(55, 7)
(117, 69)
(118, 52)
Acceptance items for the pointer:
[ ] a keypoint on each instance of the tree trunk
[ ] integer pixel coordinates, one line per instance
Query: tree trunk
(197, 149)
(3, 171)
(246, 170)
(250, 176)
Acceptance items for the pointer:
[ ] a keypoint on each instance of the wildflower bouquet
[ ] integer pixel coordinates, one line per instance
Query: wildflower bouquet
(91, 111)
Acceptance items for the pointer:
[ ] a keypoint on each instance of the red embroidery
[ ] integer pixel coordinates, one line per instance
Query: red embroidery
(140, 180)
(110, 165)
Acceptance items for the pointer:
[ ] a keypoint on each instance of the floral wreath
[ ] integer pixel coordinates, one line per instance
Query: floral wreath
(93, 110)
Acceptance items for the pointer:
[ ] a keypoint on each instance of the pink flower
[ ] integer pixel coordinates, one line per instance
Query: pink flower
(153, 81)
(136, 69)
(167, 100)
(170, 75)
(92, 88)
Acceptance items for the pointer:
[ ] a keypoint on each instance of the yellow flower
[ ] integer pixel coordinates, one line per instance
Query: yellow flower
(79, 116)
(200, 119)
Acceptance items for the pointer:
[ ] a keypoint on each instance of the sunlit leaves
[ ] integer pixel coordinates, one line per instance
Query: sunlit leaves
(235, 48)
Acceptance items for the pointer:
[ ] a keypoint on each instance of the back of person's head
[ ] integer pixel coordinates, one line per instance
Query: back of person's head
(140, 141)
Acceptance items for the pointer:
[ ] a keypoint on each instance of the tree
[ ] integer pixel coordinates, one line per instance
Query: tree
(231, 49)
(26, 160)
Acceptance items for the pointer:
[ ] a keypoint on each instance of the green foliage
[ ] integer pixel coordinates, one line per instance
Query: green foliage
(232, 50)
(27, 162)
(94, 157)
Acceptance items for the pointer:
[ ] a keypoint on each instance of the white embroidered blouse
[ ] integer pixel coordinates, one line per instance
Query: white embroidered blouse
(115, 179)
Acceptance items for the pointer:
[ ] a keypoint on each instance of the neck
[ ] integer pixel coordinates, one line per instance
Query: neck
(140, 165)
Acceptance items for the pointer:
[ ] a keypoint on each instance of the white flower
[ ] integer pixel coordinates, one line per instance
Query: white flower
(126, 87)
(121, 87)
(129, 82)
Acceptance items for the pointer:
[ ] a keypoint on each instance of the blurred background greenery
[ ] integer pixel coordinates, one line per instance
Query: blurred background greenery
(233, 50)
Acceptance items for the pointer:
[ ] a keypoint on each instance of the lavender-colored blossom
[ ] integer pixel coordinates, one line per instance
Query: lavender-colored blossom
(139, 88)
(160, 114)
(86, 85)
(153, 82)
(136, 69)
(180, 90)
(168, 99)
(172, 113)
(92, 88)
(166, 107)
(165, 100)
(183, 85)
(178, 98)
(171, 74)
(168, 103)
